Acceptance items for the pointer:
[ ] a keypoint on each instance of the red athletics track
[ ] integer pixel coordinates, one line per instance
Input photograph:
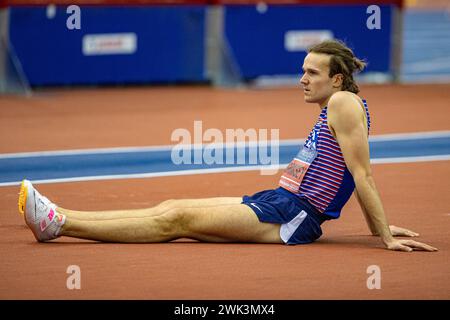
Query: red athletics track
(414, 194)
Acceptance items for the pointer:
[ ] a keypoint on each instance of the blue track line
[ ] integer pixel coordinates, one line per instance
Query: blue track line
(147, 161)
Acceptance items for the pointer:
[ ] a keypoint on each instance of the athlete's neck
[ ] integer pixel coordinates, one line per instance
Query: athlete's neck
(324, 103)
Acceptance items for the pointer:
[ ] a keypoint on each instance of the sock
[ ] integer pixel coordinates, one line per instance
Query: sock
(60, 220)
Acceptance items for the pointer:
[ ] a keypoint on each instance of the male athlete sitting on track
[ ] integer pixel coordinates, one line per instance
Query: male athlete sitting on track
(314, 187)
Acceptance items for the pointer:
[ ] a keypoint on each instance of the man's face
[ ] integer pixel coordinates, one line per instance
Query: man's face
(317, 85)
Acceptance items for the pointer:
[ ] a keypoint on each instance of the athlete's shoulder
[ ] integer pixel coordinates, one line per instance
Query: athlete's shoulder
(344, 110)
(345, 102)
(344, 98)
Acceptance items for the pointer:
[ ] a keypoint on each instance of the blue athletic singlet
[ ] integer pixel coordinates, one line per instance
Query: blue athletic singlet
(328, 184)
(313, 188)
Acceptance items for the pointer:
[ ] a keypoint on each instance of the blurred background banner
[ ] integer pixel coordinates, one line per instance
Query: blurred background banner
(219, 42)
(113, 45)
(426, 42)
(276, 38)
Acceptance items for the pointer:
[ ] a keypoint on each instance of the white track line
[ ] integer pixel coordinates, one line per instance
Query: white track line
(411, 136)
(141, 175)
(444, 157)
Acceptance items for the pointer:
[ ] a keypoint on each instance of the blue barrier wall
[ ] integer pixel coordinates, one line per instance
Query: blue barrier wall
(257, 39)
(169, 41)
(169, 45)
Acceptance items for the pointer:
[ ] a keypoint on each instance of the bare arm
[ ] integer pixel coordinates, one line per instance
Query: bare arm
(347, 121)
(395, 230)
(367, 217)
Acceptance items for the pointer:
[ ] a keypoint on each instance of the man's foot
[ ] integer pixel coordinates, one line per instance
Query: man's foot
(40, 213)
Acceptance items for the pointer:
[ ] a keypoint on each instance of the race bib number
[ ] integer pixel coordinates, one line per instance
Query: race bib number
(295, 172)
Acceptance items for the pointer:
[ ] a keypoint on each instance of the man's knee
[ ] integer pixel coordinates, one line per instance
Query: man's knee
(177, 220)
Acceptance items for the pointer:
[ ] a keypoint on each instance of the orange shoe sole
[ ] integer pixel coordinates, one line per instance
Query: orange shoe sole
(23, 197)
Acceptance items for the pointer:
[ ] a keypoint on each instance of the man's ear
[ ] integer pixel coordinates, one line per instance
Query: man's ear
(338, 79)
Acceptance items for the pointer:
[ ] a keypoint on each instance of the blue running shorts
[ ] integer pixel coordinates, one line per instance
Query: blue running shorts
(300, 221)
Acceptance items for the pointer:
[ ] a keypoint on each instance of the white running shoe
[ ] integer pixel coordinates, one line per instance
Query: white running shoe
(40, 213)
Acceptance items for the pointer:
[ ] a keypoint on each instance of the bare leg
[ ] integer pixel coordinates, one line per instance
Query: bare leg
(147, 212)
(222, 223)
